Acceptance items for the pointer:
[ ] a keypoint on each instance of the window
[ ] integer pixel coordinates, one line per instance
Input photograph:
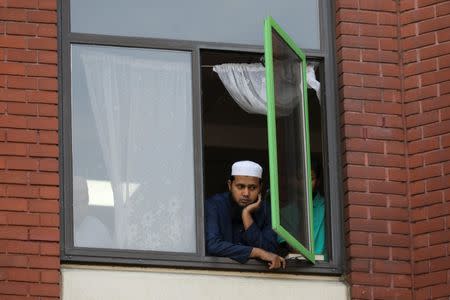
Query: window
(137, 171)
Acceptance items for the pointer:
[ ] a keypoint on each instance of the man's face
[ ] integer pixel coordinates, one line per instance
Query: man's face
(314, 180)
(244, 189)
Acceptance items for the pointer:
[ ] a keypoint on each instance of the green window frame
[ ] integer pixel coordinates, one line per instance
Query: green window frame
(288, 139)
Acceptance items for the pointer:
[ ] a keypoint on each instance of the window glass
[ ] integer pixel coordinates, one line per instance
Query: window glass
(288, 140)
(132, 143)
(232, 21)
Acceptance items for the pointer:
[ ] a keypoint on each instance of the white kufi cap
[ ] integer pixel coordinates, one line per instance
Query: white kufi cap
(246, 168)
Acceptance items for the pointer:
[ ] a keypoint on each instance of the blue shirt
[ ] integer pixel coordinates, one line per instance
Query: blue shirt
(225, 233)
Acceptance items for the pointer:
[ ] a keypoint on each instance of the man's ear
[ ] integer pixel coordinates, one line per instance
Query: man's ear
(229, 184)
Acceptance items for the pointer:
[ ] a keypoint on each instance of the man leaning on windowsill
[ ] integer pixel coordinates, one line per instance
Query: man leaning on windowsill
(238, 222)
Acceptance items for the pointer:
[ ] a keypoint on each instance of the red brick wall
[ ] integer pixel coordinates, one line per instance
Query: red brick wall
(425, 32)
(394, 83)
(29, 209)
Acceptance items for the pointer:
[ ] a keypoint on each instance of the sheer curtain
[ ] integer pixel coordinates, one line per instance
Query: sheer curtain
(141, 105)
(246, 84)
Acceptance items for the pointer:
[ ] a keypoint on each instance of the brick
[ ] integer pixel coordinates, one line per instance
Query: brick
(426, 199)
(357, 212)
(12, 14)
(51, 249)
(50, 276)
(422, 119)
(377, 30)
(434, 24)
(17, 177)
(408, 30)
(421, 67)
(47, 4)
(393, 121)
(358, 237)
(417, 42)
(421, 93)
(21, 29)
(348, 54)
(391, 293)
(350, 131)
(434, 51)
(9, 68)
(387, 18)
(378, 56)
(359, 68)
(424, 172)
(22, 164)
(383, 108)
(47, 57)
(13, 149)
(41, 289)
(48, 84)
(438, 183)
(368, 225)
(378, 133)
(439, 264)
(386, 160)
(41, 70)
(439, 237)
(423, 145)
(418, 14)
(357, 185)
(414, 134)
(26, 275)
(391, 267)
(13, 233)
(360, 17)
(429, 252)
(19, 82)
(44, 206)
(365, 172)
(395, 147)
(398, 201)
(49, 192)
(13, 288)
(48, 165)
(390, 240)
(44, 262)
(436, 129)
(369, 279)
(430, 279)
(367, 199)
(435, 77)
(436, 103)
(42, 97)
(23, 3)
(444, 61)
(47, 30)
(22, 109)
(21, 136)
(401, 254)
(360, 292)
(428, 226)
(419, 214)
(41, 16)
(42, 43)
(48, 137)
(361, 93)
(385, 187)
(49, 220)
(44, 234)
(13, 204)
(443, 35)
(43, 151)
(22, 219)
(389, 213)
(44, 178)
(362, 145)
(22, 247)
(21, 55)
(360, 265)
(440, 290)
(13, 260)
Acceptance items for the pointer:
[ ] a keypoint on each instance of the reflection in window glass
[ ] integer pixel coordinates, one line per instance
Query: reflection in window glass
(292, 180)
(133, 183)
(231, 21)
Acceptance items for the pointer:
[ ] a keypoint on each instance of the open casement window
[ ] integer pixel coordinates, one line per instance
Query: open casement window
(288, 138)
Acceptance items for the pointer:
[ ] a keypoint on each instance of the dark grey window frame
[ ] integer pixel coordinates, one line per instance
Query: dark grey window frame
(199, 260)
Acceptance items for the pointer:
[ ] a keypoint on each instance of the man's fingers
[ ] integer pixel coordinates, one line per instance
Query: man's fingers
(283, 263)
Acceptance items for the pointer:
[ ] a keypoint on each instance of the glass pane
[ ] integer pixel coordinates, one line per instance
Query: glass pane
(132, 149)
(232, 21)
(290, 144)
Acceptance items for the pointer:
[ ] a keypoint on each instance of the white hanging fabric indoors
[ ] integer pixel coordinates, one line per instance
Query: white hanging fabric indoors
(246, 83)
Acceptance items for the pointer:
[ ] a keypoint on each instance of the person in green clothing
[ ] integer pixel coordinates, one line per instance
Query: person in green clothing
(318, 211)
(291, 217)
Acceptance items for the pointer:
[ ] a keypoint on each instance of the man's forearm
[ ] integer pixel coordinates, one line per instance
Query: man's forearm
(247, 218)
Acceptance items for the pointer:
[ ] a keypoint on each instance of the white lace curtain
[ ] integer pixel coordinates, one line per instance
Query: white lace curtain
(143, 118)
(246, 83)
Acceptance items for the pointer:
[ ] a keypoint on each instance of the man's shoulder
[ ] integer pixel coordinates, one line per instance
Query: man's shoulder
(218, 198)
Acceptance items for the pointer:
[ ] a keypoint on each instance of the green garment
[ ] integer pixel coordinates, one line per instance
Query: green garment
(289, 212)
